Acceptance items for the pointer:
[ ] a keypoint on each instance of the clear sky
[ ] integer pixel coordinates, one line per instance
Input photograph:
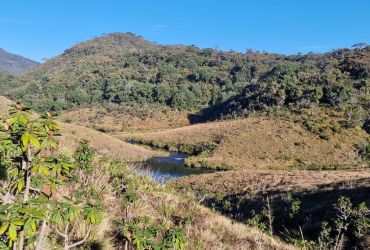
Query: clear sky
(44, 28)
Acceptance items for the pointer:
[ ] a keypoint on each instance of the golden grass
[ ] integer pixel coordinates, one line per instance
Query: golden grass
(218, 232)
(103, 144)
(233, 182)
(244, 190)
(242, 142)
(207, 229)
(260, 142)
(100, 142)
(134, 119)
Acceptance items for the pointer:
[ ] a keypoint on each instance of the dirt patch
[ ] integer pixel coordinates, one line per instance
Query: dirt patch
(5, 104)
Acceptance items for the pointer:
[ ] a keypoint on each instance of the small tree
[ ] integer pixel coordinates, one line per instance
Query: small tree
(84, 156)
(33, 178)
(350, 221)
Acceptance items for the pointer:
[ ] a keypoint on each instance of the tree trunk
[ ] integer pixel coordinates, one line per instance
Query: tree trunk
(40, 243)
(66, 246)
(26, 166)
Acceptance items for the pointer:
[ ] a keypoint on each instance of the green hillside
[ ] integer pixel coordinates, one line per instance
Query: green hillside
(122, 68)
(7, 82)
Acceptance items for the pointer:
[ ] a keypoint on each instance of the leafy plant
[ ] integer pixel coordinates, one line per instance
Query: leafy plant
(84, 156)
(30, 191)
(143, 233)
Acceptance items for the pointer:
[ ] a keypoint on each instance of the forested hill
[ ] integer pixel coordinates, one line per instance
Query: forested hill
(5, 81)
(15, 64)
(122, 67)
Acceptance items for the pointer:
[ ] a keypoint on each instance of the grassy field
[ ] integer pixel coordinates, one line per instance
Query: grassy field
(257, 143)
(238, 193)
(264, 155)
(127, 118)
(160, 206)
(205, 229)
(259, 181)
(102, 143)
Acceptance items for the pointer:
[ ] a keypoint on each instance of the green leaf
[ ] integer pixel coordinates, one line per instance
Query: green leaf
(20, 185)
(22, 120)
(33, 225)
(92, 218)
(27, 226)
(57, 218)
(53, 143)
(12, 232)
(25, 139)
(35, 168)
(35, 142)
(4, 227)
(53, 187)
(44, 170)
(18, 222)
(13, 120)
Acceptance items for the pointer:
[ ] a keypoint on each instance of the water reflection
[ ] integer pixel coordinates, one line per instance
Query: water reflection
(163, 169)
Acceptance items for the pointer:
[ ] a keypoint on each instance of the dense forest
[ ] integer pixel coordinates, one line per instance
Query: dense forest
(5, 80)
(122, 68)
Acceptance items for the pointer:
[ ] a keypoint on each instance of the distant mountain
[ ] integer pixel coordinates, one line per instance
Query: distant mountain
(122, 68)
(15, 64)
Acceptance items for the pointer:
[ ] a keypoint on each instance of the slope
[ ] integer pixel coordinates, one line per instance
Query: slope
(15, 64)
(101, 143)
(256, 142)
(204, 228)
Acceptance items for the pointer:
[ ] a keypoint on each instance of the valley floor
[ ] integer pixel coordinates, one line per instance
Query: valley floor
(256, 143)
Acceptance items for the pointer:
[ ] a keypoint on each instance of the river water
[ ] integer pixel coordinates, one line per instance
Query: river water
(165, 168)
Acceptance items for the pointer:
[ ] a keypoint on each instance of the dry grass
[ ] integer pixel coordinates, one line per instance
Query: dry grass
(103, 144)
(126, 119)
(260, 142)
(233, 182)
(247, 143)
(237, 193)
(206, 230)
(217, 232)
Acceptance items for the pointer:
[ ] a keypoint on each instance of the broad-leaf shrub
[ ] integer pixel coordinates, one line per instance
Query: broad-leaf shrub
(33, 190)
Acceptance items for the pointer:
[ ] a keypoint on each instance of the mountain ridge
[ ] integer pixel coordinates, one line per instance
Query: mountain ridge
(15, 64)
(124, 68)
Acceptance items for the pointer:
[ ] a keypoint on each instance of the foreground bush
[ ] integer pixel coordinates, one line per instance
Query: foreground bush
(34, 197)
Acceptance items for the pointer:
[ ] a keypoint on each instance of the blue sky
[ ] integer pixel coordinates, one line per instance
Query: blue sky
(44, 28)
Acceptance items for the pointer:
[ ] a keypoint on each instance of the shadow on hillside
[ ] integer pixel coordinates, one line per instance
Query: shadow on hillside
(316, 206)
(208, 114)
